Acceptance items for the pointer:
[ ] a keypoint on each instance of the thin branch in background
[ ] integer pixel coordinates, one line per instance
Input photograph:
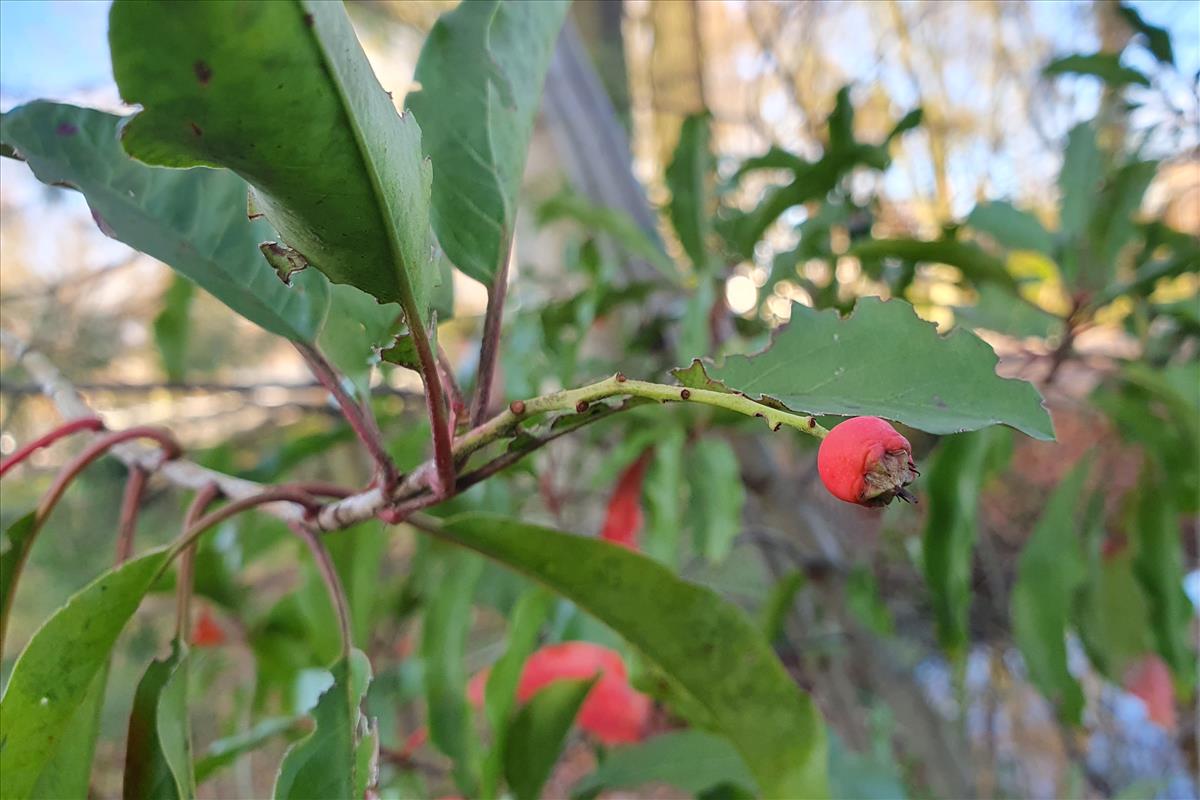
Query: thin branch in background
(489, 346)
(66, 429)
(22, 389)
(358, 415)
(131, 503)
(333, 584)
(187, 564)
(71, 281)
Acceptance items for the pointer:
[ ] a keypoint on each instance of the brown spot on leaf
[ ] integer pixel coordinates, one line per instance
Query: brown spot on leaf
(66, 129)
(203, 72)
(196, 129)
(308, 20)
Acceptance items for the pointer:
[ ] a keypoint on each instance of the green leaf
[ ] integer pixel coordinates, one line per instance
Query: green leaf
(976, 264)
(953, 481)
(774, 612)
(621, 227)
(171, 329)
(908, 122)
(692, 761)
(158, 758)
(885, 361)
(15, 543)
(481, 72)
(69, 773)
(1002, 311)
(717, 497)
(689, 177)
(1105, 66)
(1158, 566)
(1112, 225)
(1079, 182)
(1158, 40)
(1049, 573)
(444, 632)
(282, 94)
(358, 327)
(723, 662)
(324, 764)
(1011, 227)
(500, 694)
(538, 732)
(45, 689)
(223, 752)
(194, 220)
(662, 496)
(358, 553)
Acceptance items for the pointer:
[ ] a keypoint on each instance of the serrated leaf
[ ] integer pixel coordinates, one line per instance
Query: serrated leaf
(282, 94)
(1013, 228)
(690, 760)
(1050, 571)
(45, 690)
(158, 758)
(689, 176)
(194, 220)
(481, 72)
(537, 734)
(325, 764)
(724, 663)
(885, 361)
(1105, 66)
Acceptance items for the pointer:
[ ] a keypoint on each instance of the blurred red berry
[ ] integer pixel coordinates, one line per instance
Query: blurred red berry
(614, 712)
(1150, 680)
(864, 460)
(623, 522)
(207, 632)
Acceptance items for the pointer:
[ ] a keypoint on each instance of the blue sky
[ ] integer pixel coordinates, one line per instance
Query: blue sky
(52, 48)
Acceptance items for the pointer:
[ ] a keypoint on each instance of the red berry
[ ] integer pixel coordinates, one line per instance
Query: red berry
(207, 632)
(864, 460)
(1150, 680)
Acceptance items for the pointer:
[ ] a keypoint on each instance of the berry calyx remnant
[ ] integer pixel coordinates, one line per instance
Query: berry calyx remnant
(864, 460)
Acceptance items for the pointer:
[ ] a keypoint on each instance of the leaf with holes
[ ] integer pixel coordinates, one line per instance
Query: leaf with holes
(282, 94)
(192, 220)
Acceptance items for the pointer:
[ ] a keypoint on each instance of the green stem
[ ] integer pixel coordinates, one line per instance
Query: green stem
(620, 386)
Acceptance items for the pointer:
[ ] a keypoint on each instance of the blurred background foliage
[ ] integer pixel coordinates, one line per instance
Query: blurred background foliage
(1029, 171)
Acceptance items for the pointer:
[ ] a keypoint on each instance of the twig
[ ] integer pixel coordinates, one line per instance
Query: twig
(187, 565)
(361, 420)
(66, 429)
(95, 449)
(443, 458)
(131, 502)
(333, 584)
(489, 346)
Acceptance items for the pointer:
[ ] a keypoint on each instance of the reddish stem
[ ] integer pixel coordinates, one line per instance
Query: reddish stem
(281, 494)
(359, 416)
(489, 346)
(458, 407)
(443, 452)
(333, 584)
(98, 447)
(131, 501)
(187, 564)
(66, 429)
